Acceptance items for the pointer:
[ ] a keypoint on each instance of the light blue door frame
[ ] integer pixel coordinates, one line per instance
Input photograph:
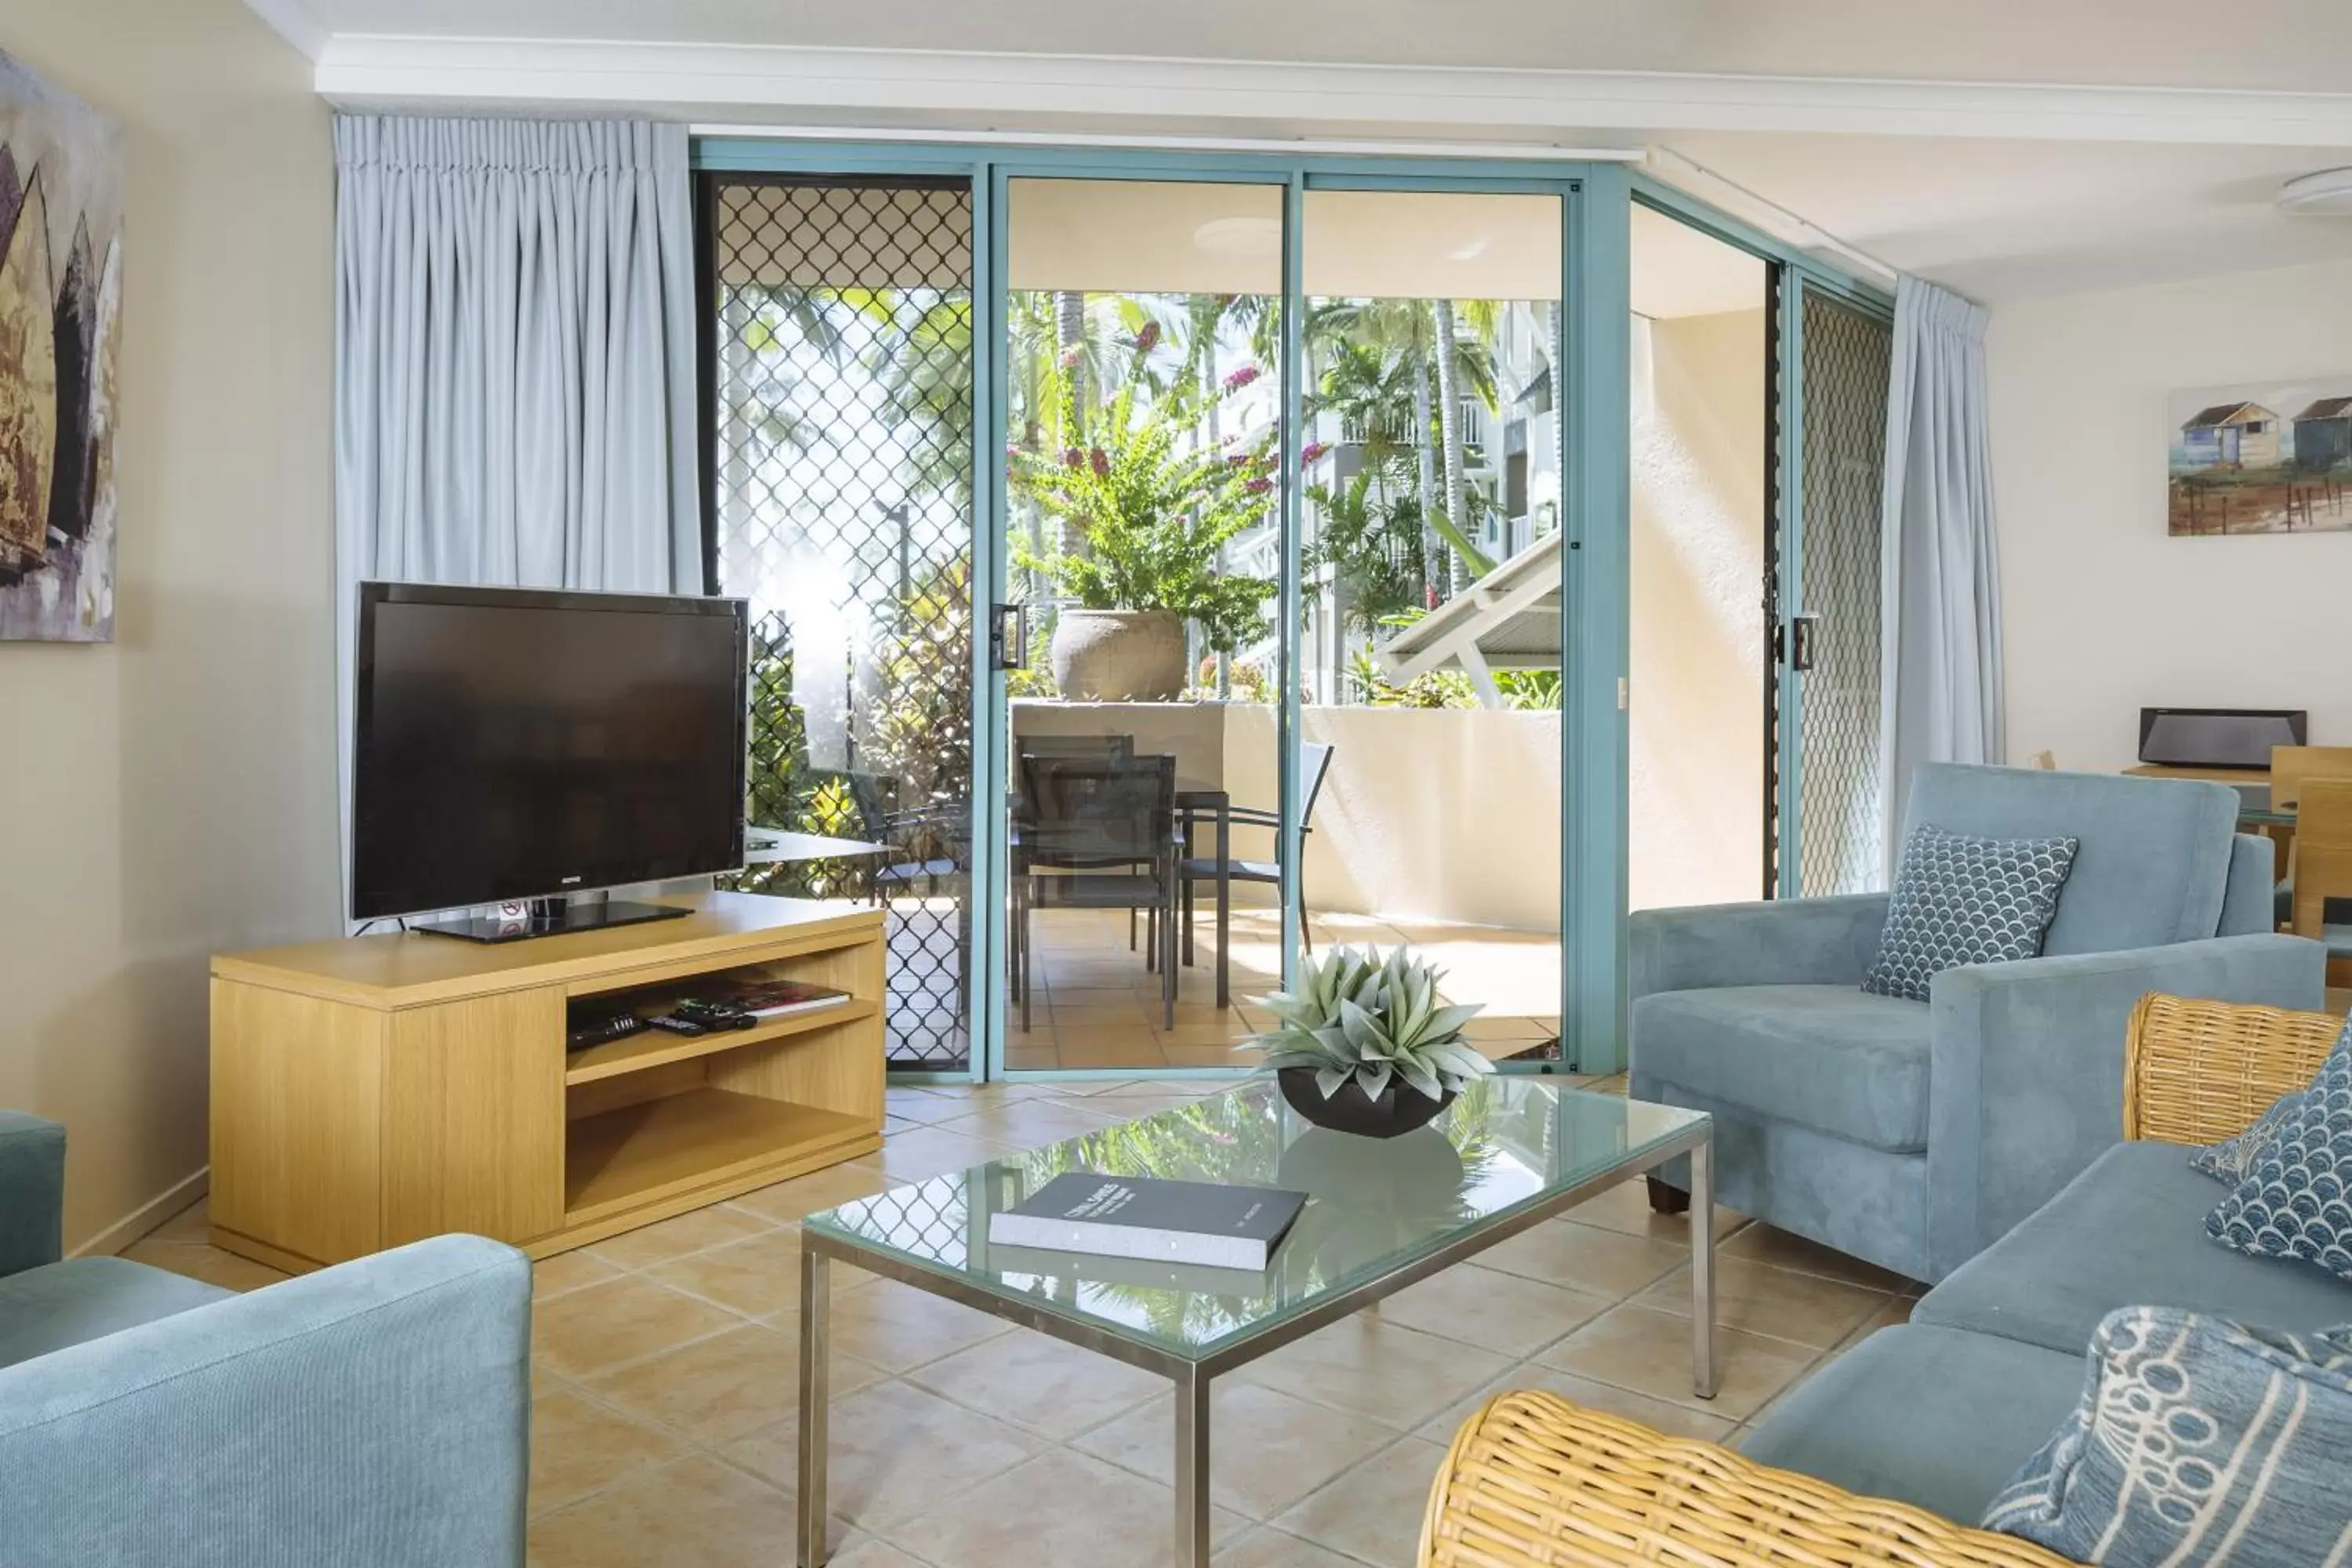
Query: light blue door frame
(1595, 436)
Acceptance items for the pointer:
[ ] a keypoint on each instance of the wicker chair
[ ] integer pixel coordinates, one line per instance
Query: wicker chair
(1533, 1482)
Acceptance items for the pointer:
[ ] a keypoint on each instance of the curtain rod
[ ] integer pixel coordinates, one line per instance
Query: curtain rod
(1520, 151)
(1668, 163)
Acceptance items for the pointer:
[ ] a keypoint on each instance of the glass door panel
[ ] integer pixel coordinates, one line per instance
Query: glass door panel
(1143, 539)
(1696, 717)
(1431, 682)
(843, 508)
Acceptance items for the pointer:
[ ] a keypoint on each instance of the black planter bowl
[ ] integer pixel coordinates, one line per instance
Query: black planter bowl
(1399, 1107)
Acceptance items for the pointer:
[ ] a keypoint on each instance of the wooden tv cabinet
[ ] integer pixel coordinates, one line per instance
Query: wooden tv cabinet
(379, 1089)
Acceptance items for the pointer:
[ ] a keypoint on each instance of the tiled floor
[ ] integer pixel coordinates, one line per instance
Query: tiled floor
(665, 1378)
(1094, 1004)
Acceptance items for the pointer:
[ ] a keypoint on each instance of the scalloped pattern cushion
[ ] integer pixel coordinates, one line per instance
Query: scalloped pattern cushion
(2296, 1198)
(1962, 900)
(2198, 1442)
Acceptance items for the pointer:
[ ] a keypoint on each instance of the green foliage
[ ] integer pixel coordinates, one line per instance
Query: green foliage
(1356, 1016)
(1373, 547)
(1153, 513)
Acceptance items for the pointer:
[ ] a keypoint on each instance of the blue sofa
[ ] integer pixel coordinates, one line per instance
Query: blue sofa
(1912, 1134)
(375, 1415)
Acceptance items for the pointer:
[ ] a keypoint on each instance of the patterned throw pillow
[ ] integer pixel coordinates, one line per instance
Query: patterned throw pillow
(2197, 1442)
(2293, 1202)
(1959, 900)
(2232, 1160)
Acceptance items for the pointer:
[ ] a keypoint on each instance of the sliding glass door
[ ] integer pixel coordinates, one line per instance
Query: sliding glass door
(1141, 566)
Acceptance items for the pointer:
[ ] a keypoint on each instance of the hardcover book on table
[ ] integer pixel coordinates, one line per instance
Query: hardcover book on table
(1204, 1223)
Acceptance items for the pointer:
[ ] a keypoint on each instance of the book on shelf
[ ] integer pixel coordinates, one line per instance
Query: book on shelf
(1204, 1223)
(775, 998)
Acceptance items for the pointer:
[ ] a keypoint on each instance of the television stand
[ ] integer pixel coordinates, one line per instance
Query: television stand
(373, 1090)
(552, 917)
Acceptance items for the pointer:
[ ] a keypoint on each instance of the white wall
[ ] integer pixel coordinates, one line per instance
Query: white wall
(173, 795)
(2102, 613)
(1695, 732)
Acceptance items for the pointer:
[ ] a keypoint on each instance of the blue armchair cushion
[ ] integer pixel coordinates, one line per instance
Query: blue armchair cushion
(1829, 1058)
(2196, 1440)
(1962, 900)
(2155, 857)
(2293, 1202)
(2123, 1233)
(46, 1310)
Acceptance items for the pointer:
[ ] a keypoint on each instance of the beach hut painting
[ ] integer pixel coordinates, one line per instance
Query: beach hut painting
(60, 315)
(2262, 458)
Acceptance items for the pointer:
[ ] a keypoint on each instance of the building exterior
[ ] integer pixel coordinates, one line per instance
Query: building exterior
(2323, 435)
(2232, 436)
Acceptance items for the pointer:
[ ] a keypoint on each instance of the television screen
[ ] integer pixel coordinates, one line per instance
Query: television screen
(514, 743)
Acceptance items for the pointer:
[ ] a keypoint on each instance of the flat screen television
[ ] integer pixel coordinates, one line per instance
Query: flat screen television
(511, 746)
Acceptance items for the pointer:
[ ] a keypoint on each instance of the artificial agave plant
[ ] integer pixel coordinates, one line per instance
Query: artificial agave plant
(1355, 1015)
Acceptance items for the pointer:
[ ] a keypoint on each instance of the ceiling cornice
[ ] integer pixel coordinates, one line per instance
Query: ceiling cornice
(980, 91)
(292, 23)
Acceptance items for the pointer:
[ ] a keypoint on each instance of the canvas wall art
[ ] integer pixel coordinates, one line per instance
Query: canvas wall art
(61, 322)
(2262, 458)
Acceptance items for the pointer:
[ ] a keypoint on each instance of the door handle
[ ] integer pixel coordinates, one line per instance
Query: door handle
(1008, 637)
(1802, 632)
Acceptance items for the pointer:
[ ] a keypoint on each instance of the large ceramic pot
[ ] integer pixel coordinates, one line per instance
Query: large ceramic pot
(1119, 655)
(1398, 1108)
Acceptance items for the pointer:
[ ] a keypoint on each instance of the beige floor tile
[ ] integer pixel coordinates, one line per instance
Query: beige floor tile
(756, 1275)
(1787, 1305)
(1269, 1548)
(789, 1202)
(1649, 1352)
(578, 1447)
(1625, 1208)
(1062, 1510)
(674, 1237)
(1587, 1257)
(1028, 1058)
(1110, 1048)
(551, 1277)
(726, 1387)
(1663, 1415)
(1029, 1124)
(1764, 1244)
(868, 1553)
(1051, 1387)
(1494, 1312)
(1385, 1371)
(201, 1261)
(899, 1328)
(1222, 1035)
(922, 1104)
(1373, 1513)
(1893, 1310)
(694, 1513)
(621, 1320)
(928, 1151)
(1210, 1056)
(1123, 1014)
(894, 1451)
(1267, 1449)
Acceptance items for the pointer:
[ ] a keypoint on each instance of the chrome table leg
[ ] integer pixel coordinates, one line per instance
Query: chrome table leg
(1702, 1221)
(815, 1332)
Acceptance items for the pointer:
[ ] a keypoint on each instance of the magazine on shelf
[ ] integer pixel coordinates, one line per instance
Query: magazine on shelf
(1202, 1223)
(776, 998)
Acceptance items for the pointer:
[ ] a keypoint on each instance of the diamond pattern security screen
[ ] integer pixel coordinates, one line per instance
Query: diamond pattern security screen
(1846, 355)
(841, 506)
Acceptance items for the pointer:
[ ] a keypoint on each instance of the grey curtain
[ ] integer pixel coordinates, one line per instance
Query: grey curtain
(515, 399)
(1940, 633)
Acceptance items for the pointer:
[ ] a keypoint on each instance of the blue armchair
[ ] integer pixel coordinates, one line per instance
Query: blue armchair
(1914, 1134)
(375, 1415)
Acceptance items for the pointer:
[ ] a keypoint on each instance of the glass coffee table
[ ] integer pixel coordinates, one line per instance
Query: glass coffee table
(1510, 1153)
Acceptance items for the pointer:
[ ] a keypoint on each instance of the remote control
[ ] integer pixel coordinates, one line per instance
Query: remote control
(600, 1031)
(678, 1026)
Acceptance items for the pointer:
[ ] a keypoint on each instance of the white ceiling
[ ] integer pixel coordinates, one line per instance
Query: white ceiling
(2007, 147)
